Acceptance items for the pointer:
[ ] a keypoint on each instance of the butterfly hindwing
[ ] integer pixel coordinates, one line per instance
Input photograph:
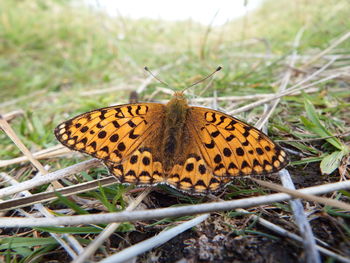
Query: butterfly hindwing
(139, 168)
(195, 176)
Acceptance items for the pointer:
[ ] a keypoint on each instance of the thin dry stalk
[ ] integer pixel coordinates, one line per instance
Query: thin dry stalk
(51, 152)
(272, 56)
(153, 242)
(284, 83)
(232, 98)
(15, 101)
(297, 194)
(13, 136)
(10, 133)
(76, 168)
(13, 114)
(300, 217)
(95, 92)
(149, 214)
(52, 195)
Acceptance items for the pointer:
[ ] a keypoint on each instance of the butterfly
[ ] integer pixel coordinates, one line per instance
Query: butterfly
(193, 149)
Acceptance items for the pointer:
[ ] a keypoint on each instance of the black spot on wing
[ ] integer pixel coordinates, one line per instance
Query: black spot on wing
(230, 138)
(240, 151)
(84, 129)
(131, 124)
(102, 134)
(202, 169)
(114, 138)
(132, 135)
(222, 119)
(189, 167)
(133, 159)
(210, 145)
(121, 146)
(130, 110)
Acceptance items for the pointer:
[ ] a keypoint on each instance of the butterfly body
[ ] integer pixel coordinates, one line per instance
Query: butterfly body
(193, 149)
(174, 134)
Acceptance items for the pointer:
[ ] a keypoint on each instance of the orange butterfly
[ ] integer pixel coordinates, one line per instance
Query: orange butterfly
(194, 149)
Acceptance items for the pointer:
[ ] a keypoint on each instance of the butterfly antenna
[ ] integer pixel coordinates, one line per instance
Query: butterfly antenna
(154, 76)
(199, 81)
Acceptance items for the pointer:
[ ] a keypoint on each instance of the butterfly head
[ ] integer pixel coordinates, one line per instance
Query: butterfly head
(178, 102)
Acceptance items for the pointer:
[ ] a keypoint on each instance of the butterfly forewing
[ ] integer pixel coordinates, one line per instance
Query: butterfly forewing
(112, 133)
(231, 147)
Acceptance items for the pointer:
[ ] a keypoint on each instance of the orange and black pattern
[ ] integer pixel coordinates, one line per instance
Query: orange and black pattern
(200, 153)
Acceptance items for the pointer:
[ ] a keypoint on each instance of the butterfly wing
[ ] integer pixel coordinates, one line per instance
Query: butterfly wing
(231, 147)
(194, 175)
(113, 133)
(223, 147)
(217, 146)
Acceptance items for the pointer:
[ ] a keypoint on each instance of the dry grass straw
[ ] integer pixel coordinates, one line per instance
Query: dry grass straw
(134, 216)
(297, 194)
(54, 151)
(47, 196)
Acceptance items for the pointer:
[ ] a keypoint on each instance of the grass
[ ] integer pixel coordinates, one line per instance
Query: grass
(54, 55)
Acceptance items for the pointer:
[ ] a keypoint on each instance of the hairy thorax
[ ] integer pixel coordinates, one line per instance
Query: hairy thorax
(175, 132)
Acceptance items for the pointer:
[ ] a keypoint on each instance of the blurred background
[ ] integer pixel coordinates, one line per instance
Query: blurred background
(62, 57)
(58, 45)
(205, 12)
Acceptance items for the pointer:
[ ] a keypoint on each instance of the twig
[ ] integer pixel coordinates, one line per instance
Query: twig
(76, 168)
(309, 242)
(53, 151)
(106, 90)
(15, 101)
(232, 98)
(153, 242)
(340, 135)
(13, 114)
(273, 56)
(52, 195)
(10, 133)
(149, 214)
(297, 194)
